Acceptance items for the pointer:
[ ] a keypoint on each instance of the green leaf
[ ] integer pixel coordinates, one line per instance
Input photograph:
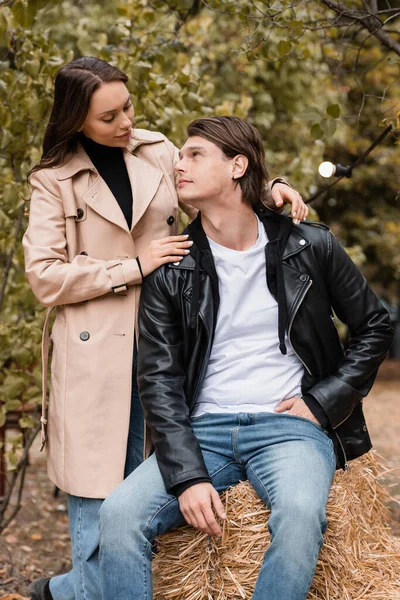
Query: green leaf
(22, 356)
(13, 459)
(284, 47)
(13, 386)
(19, 10)
(31, 392)
(333, 110)
(6, 19)
(174, 90)
(32, 67)
(26, 422)
(329, 127)
(192, 101)
(311, 113)
(316, 131)
(55, 61)
(294, 23)
(12, 404)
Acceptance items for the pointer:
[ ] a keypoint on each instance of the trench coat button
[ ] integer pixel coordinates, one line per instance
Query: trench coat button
(85, 335)
(171, 220)
(303, 277)
(364, 428)
(79, 213)
(302, 242)
(84, 253)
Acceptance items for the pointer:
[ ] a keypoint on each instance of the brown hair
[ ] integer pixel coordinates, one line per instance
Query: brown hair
(74, 85)
(235, 136)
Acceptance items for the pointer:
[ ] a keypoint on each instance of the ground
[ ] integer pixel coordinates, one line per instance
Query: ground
(36, 544)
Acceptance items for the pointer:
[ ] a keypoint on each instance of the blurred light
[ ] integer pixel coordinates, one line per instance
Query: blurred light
(326, 169)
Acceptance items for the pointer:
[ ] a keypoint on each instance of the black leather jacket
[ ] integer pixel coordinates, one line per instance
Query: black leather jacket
(175, 341)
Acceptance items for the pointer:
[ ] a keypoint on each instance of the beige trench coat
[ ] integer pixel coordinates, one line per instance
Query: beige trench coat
(77, 248)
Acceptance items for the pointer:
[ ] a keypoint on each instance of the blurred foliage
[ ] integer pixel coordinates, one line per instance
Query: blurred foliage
(261, 60)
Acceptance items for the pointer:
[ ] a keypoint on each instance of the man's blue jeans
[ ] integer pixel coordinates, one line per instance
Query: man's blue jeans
(83, 581)
(289, 461)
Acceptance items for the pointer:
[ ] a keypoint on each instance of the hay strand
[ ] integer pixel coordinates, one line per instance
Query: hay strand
(360, 560)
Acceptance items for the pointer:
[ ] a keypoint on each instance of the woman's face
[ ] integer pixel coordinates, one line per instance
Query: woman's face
(110, 115)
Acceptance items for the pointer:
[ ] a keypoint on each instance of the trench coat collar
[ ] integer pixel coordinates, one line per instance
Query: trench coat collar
(144, 179)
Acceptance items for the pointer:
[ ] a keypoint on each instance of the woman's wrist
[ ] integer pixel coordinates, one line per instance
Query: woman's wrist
(140, 267)
(278, 180)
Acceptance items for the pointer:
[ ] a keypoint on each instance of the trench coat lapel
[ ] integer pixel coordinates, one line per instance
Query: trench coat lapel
(145, 180)
(98, 195)
(101, 199)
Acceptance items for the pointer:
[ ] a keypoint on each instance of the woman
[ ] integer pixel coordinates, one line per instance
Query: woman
(104, 214)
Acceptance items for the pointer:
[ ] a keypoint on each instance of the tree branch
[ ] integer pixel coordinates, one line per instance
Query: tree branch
(368, 21)
(20, 469)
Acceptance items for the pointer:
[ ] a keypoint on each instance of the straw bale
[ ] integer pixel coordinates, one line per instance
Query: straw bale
(360, 560)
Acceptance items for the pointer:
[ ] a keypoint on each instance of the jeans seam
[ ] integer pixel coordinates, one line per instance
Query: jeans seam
(82, 582)
(160, 508)
(231, 462)
(311, 578)
(235, 435)
(262, 484)
(144, 567)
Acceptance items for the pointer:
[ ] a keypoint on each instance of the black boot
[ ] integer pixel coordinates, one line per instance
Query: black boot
(40, 590)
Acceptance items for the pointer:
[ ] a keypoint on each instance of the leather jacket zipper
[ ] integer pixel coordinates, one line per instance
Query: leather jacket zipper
(349, 415)
(205, 359)
(291, 323)
(346, 464)
(306, 367)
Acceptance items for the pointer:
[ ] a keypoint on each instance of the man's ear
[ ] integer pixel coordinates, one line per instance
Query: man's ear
(239, 166)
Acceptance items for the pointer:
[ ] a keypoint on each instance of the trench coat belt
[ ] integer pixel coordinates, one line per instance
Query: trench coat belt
(45, 363)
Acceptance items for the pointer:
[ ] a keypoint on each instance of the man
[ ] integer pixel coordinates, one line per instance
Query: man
(242, 374)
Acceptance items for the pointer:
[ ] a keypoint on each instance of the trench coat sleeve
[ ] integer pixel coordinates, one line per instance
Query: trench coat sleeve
(161, 379)
(267, 199)
(53, 279)
(371, 335)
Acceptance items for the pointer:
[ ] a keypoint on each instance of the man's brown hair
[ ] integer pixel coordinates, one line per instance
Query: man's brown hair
(235, 136)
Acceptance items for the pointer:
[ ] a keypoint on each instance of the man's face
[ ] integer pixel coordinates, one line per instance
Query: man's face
(204, 172)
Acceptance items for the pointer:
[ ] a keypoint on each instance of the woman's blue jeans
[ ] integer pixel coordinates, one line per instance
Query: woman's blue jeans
(289, 461)
(82, 582)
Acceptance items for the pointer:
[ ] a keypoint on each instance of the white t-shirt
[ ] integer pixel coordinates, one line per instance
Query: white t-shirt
(246, 371)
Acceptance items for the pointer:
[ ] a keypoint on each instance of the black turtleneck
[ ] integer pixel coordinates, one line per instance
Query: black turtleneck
(111, 166)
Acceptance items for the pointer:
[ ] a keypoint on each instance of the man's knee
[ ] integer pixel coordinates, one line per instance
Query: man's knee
(300, 515)
(117, 517)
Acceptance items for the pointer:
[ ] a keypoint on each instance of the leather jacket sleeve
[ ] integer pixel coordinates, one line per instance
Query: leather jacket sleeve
(161, 379)
(371, 334)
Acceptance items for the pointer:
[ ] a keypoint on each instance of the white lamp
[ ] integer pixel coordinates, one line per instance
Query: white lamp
(327, 169)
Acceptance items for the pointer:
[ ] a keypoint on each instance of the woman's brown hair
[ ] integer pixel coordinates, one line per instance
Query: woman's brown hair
(74, 85)
(235, 136)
